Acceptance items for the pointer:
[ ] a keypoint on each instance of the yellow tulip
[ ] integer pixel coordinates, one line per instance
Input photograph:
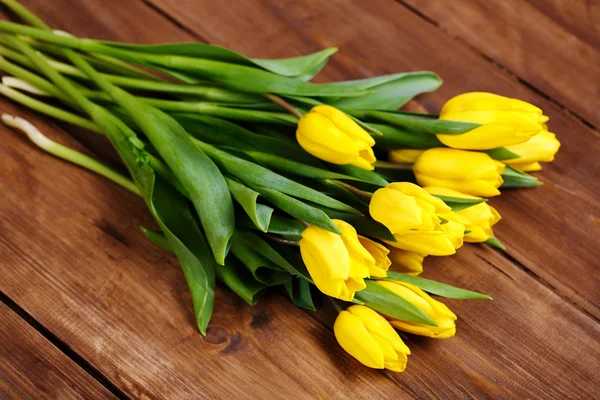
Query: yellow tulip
(481, 216)
(411, 215)
(369, 337)
(405, 156)
(337, 264)
(468, 172)
(437, 311)
(505, 121)
(540, 148)
(455, 225)
(329, 134)
(407, 262)
(380, 254)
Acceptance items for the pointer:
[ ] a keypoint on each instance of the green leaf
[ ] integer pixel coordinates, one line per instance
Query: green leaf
(156, 237)
(197, 173)
(302, 67)
(298, 209)
(399, 138)
(495, 243)
(514, 177)
(221, 132)
(415, 122)
(233, 274)
(267, 251)
(286, 227)
(390, 304)
(171, 210)
(437, 288)
(255, 175)
(364, 225)
(263, 269)
(501, 153)
(390, 92)
(360, 174)
(246, 197)
(295, 168)
(333, 188)
(299, 292)
(305, 65)
(239, 279)
(238, 77)
(459, 203)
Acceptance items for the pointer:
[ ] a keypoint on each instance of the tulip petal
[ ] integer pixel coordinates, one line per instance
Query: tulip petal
(345, 123)
(433, 243)
(378, 325)
(352, 335)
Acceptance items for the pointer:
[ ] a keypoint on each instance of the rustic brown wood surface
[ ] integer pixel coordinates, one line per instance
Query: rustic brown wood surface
(32, 367)
(72, 257)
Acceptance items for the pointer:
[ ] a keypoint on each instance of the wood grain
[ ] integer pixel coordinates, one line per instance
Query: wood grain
(79, 265)
(32, 368)
(379, 37)
(72, 256)
(551, 44)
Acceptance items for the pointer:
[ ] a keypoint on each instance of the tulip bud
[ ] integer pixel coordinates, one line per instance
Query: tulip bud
(505, 121)
(437, 311)
(455, 225)
(405, 156)
(380, 254)
(337, 264)
(329, 134)
(540, 148)
(406, 262)
(481, 217)
(468, 172)
(370, 338)
(411, 215)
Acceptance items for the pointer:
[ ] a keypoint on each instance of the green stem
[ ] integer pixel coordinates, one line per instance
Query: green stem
(35, 80)
(41, 107)
(49, 110)
(284, 104)
(67, 153)
(210, 93)
(357, 192)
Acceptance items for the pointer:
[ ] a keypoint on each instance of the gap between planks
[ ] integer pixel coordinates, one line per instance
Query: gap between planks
(506, 71)
(63, 347)
(104, 381)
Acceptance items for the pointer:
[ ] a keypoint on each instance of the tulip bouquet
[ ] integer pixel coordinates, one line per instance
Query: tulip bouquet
(260, 179)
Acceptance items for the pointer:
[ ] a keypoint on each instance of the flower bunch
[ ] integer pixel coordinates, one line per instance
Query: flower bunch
(259, 178)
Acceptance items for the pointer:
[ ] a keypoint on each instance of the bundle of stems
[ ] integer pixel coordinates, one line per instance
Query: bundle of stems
(208, 139)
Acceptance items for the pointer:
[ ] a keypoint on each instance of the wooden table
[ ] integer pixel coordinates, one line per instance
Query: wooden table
(90, 309)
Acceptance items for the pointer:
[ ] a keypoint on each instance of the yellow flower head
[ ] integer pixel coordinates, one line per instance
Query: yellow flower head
(540, 148)
(405, 156)
(329, 134)
(407, 262)
(369, 338)
(505, 121)
(481, 217)
(337, 264)
(380, 254)
(412, 216)
(437, 311)
(468, 172)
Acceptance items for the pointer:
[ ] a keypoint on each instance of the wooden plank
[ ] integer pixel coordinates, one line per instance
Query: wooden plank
(32, 368)
(549, 230)
(551, 44)
(74, 259)
(124, 306)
